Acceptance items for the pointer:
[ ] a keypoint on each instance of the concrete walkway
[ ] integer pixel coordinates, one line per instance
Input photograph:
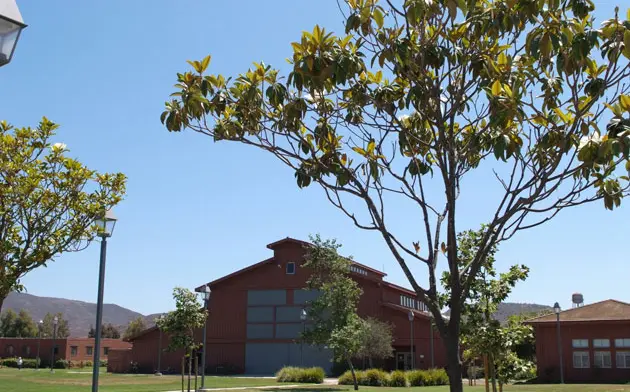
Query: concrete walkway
(244, 388)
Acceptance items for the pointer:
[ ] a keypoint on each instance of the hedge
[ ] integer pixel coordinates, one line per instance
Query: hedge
(397, 378)
(314, 375)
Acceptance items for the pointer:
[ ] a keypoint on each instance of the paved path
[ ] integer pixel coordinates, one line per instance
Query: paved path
(244, 388)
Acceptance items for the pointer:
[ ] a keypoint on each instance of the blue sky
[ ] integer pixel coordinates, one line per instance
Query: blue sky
(196, 210)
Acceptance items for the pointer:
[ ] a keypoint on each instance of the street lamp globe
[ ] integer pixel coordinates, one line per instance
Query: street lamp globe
(206, 293)
(11, 26)
(556, 308)
(303, 315)
(55, 321)
(410, 315)
(105, 224)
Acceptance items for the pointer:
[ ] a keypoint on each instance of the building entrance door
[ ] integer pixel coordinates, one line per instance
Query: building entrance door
(403, 360)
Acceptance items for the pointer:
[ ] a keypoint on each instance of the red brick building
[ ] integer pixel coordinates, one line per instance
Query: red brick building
(254, 319)
(595, 342)
(71, 349)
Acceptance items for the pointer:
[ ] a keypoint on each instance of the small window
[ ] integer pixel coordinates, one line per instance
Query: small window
(602, 359)
(623, 359)
(105, 350)
(580, 360)
(89, 351)
(625, 343)
(74, 351)
(290, 268)
(580, 343)
(601, 343)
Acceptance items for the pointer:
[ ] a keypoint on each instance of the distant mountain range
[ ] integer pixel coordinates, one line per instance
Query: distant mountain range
(80, 315)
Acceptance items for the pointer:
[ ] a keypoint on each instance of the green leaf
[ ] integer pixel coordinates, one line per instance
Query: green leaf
(496, 88)
(624, 101)
(378, 17)
(205, 62)
(463, 6)
(359, 151)
(452, 8)
(371, 146)
(626, 43)
(562, 115)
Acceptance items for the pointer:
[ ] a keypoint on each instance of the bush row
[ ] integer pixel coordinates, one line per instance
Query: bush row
(398, 378)
(314, 375)
(31, 363)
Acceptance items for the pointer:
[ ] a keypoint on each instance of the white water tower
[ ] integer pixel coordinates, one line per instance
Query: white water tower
(578, 300)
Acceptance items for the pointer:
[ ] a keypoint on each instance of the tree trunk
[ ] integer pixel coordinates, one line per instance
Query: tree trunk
(2, 298)
(354, 375)
(493, 373)
(454, 363)
(183, 370)
(189, 368)
(371, 363)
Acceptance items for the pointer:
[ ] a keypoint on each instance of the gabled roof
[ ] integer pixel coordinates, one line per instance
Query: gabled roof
(608, 310)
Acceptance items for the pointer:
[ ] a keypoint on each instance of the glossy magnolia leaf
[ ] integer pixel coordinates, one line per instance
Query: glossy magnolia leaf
(359, 151)
(378, 17)
(496, 88)
(624, 101)
(205, 62)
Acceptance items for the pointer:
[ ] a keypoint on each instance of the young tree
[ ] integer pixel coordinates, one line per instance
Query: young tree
(481, 334)
(182, 323)
(24, 325)
(63, 330)
(334, 313)
(376, 341)
(48, 201)
(108, 331)
(420, 96)
(135, 327)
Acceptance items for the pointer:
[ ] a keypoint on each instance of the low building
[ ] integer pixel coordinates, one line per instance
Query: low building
(594, 339)
(254, 320)
(71, 349)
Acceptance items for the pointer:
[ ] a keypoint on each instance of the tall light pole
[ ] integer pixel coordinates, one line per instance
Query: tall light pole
(159, 361)
(556, 309)
(39, 342)
(11, 26)
(431, 342)
(303, 318)
(104, 229)
(206, 299)
(52, 355)
(411, 317)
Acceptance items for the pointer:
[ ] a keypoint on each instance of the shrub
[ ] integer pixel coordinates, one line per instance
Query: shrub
(103, 363)
(87, 364)
(417, 378)
(61, 364)
(314, 375)
(398, 378)
(437, 377)
(27, 363)
(375, 378)
(346, 378)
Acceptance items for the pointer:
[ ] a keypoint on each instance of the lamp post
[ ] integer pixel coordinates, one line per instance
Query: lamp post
(303, 318)
(411, 317)
(52, 355)
(105, 227)
(11, 26)
(39, 341)
(206, 299)
(556, 309)
(159, 361)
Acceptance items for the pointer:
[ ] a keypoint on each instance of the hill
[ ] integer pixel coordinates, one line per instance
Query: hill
(508, 309)
(80, 315)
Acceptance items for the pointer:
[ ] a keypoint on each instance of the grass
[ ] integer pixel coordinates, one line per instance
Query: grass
(29, 380)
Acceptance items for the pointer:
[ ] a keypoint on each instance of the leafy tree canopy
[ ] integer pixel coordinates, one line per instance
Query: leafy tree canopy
(48, 201)
(19, 325)
(417, 96)
(134, 328)
(63, 329)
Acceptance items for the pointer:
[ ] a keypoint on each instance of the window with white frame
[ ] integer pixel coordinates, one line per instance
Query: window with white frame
(290, 268)
(580, 343)
(623, 360)
(624, 343)
(580, 360)
(602, 359)
(601, 343)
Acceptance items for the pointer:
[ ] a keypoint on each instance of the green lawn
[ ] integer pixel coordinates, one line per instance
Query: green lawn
(29, 380)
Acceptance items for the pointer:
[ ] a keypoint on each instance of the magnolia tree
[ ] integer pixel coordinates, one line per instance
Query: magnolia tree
(419, 95)
(48, 201)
